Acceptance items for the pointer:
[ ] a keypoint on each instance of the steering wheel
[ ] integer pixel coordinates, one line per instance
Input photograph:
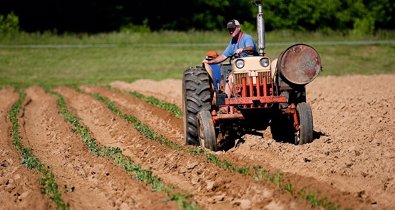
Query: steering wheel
(249, 52)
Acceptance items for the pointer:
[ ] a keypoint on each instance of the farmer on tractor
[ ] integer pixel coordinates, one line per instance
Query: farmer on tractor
(241, 44)
(253, 91)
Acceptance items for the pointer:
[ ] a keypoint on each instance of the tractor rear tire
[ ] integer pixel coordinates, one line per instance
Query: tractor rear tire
(196, 97)
(206, 131)
(305, 117)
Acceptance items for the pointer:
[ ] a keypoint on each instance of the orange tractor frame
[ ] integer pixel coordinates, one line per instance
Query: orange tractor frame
(249, 93)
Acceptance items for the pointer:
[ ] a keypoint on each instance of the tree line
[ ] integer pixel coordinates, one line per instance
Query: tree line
(93, 16)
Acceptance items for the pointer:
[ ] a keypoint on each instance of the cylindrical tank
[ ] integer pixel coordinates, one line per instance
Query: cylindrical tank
(299, 64)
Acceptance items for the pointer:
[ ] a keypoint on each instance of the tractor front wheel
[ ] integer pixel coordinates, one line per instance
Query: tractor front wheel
(206, 131)
(305, 133)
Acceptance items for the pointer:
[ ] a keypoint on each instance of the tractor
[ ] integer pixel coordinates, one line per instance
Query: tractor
(261, 93)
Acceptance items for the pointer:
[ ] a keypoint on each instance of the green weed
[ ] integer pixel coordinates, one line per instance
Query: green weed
(257, 172)
(158, 103)
(144, 129)
(115, 153)
(47, 181)
(277, 179)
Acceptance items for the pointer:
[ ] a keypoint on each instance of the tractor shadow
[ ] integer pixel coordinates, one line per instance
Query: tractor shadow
(237, 137)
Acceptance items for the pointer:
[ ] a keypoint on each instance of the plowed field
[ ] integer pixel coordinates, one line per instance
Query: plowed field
(106, 148)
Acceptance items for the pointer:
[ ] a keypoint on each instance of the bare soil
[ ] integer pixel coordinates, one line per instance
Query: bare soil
(351, 162)
(19, 186)
(354, 119)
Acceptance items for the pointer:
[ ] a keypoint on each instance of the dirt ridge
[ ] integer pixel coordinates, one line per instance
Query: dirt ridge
(202, 180)
(351, 162)
(354, 153)
(132, 105)
(19, 186)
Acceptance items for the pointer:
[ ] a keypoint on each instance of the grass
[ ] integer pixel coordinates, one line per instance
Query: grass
(47, 181)
(214, 37)
(257, 172)
(102, 58)
(82, 59)
(157, 56)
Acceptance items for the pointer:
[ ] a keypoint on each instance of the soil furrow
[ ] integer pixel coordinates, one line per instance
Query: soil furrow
(212, 187)
(85, 180)
(354, 120)
(350, 163)
(168, 90)
(132, 105)
(19, 186)
(161, 120)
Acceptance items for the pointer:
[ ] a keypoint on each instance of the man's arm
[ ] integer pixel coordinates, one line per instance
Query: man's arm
(216, 60)
(249, 50)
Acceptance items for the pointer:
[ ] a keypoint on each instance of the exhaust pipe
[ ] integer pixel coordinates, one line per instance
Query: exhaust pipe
(260, 25)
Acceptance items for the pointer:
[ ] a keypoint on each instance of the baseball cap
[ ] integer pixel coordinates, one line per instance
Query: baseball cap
(232, 24)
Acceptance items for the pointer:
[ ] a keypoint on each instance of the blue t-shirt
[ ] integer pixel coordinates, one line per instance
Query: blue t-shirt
(244, 41)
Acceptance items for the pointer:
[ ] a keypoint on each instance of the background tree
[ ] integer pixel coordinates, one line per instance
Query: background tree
(360, 16)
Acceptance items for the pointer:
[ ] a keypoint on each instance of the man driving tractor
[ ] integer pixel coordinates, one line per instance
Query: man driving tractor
(241, 44)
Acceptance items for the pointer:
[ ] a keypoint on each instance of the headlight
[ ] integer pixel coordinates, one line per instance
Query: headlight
(239, 63)
(264, 62)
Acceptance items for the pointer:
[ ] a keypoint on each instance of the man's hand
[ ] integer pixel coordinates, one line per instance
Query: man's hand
(216, 60)
(238, 51)
(205, 61)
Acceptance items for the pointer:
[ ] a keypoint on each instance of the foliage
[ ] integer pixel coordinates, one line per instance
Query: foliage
(360, 16)
(363, 26)
(130, 28)
(9, 24)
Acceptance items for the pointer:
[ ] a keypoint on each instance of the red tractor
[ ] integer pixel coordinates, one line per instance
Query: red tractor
(251, 92)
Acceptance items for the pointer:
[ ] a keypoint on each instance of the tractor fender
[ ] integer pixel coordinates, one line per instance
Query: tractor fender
(209, 70)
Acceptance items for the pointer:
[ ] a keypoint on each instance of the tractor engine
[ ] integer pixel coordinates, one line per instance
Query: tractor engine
(252, 82)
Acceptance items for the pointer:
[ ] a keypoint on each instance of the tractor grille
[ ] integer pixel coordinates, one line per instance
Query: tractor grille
(261, 75)
(253, 84)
